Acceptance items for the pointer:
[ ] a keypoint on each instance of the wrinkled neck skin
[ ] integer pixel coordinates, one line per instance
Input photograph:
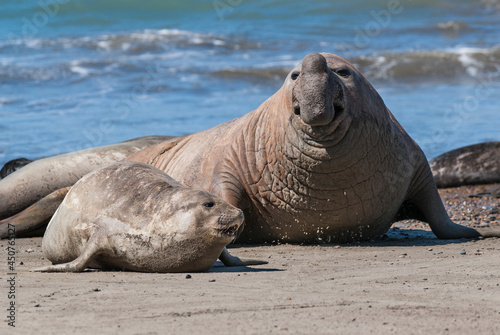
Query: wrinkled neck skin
(314, 178)
(309, 165)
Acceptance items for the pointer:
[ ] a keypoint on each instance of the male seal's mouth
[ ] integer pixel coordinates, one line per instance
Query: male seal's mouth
(326, 135)
(338, 109)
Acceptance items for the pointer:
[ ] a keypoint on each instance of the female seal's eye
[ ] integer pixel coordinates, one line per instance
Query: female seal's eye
(295, 75)
(209, 204)
(344, 72)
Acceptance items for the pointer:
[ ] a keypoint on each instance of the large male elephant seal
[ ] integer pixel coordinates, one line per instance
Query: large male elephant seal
(323, 159)
(46, 176)
(473, 164)
(133, 216)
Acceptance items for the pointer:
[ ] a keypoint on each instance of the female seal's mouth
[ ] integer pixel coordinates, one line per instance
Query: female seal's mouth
(229, 231)
(230, 224)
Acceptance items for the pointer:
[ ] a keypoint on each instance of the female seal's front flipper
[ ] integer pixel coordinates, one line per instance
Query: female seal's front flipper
(35, 217)
(229, 260)
(425, 196)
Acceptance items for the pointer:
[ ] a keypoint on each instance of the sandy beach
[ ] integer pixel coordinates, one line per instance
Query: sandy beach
(406, 282)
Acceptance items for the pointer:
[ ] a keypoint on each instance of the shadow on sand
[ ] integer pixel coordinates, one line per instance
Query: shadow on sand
(219, 267)
(393, 237)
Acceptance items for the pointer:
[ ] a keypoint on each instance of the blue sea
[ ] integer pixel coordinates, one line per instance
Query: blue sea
(82, 73)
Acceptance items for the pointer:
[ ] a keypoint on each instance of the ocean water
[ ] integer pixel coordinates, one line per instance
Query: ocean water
(82, 73)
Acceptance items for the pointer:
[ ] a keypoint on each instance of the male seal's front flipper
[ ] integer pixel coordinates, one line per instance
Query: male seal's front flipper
(36, 216)
(93, 248)
(425, 196)
(229, 260)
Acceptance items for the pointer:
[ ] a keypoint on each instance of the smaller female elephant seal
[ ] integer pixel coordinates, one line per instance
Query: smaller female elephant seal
(135, 217)
(471, 165)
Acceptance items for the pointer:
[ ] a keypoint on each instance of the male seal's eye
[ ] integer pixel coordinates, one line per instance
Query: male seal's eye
(344, 72)
(295, 75)
(209, 204)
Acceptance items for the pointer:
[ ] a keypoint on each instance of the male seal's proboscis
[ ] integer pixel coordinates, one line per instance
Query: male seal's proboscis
(322, 160)
(132, 216)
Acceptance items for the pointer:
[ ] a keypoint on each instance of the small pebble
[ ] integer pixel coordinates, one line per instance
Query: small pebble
(188, 276)
(96, 289)
(463, 252)
(37, 305)
(211, 280)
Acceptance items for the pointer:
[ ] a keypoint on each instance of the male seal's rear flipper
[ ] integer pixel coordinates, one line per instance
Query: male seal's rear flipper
(93, 248)
(229, 260)
(36, 216)
(426, 198)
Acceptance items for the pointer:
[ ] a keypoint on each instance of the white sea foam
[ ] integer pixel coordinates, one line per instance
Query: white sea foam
(75, 67)
(468, 58)
(104, 44)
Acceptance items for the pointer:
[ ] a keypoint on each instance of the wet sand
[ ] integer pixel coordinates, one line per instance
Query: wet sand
(406, 282)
